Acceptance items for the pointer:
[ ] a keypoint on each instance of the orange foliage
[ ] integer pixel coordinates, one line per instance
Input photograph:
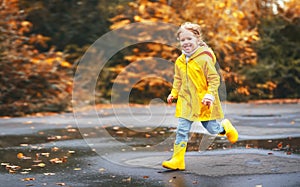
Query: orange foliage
(30, 80)
(229, 27)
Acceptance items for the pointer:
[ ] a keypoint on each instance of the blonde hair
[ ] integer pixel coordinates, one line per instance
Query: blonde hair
(194, 28)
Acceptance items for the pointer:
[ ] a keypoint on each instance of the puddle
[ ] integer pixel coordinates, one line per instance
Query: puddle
(37, 154)
(143, 137)
(61, 167)
(28, 151)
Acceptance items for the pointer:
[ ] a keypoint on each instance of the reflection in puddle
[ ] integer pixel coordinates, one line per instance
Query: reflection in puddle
(23, 150)
(143, 137)
(31, 153)
(11, 145)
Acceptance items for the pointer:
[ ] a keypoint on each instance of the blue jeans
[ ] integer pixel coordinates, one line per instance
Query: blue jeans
(184, 126)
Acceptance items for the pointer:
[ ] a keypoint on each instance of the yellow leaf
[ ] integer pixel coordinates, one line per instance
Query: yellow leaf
(35, 60)
(235, 14)
(137, 18)
(65, 64)
(26, 24)
(120, 24)
(50, 61)
(221, 5)
(28, 179)
(41, 165)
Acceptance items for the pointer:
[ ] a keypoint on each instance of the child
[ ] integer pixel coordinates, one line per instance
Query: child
(195, 87)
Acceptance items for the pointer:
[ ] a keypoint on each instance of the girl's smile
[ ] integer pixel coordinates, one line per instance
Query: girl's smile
(188, 41)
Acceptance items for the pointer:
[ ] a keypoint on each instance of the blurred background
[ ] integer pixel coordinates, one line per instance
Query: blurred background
(257, 44)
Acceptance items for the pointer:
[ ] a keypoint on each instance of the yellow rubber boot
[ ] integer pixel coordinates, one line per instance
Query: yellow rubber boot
(231, 132)
(177, 161)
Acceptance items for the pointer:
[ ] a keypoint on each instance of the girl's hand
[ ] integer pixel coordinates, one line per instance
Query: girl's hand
(207, 102)
(170, 99)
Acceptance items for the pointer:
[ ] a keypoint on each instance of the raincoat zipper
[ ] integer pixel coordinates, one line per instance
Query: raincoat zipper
(187, 80)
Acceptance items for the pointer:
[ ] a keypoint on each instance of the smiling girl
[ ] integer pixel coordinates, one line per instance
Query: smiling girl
(195, 86)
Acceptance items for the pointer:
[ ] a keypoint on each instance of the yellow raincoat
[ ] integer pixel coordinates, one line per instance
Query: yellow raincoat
(194, 79)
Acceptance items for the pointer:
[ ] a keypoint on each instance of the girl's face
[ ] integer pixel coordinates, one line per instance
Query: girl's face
(188, 41)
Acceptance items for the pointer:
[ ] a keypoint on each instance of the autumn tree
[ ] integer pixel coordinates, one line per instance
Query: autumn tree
(229, 27)
(145, 86)
(276, 74)
(30, 81)
(232, 29)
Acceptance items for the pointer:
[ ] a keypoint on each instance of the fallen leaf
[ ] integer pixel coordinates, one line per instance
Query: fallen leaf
(127, 180)
(116, 128)
(24, 172)
(58, 160)
(47, 174)
(37, 161)
(45, 154)
(41, 165)
(11, 171)
(4, 164)
(28, 179)
(61, 183)
(55, 149)
(13, 167)
(72, 130)
(20, 155)
(51, 138)
(58, 137)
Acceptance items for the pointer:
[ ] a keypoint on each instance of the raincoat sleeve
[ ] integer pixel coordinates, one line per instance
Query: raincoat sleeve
(176, 82)
(212, 77)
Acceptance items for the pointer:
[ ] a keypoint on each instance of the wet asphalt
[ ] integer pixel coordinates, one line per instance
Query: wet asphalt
(124, 146)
